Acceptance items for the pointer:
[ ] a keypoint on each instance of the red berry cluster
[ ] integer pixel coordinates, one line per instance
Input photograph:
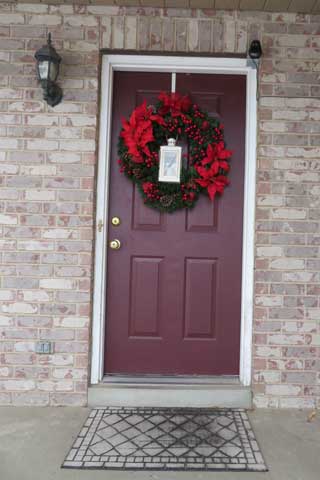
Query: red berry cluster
(188, 186)
(174, 126)
(188, 197)
(218, 135)
(152, 160)
(200, 141)
(149, 162)
(151, 190)
(196, 112)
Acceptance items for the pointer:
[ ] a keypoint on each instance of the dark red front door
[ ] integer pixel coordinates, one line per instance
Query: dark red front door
(174, 287)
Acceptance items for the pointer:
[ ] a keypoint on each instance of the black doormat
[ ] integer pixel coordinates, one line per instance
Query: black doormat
(166, 439)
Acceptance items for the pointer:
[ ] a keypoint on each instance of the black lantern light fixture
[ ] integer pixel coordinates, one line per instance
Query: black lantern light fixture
(48, 63)
(255, 50)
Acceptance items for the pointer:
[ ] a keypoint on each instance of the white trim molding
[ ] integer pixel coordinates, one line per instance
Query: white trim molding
(173, 64)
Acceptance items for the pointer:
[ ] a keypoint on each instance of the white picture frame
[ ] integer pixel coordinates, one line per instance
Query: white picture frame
(170, 164)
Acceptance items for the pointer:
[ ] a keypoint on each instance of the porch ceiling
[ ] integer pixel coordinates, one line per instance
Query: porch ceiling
(299, 6)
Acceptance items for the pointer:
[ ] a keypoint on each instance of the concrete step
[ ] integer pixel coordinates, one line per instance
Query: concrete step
(170, 395)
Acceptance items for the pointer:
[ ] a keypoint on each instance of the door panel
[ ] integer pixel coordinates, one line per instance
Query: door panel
(174, 288)
(146, 281)
(204, 218)
(200, 298)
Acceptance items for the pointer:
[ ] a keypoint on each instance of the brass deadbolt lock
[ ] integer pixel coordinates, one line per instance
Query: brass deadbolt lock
(115, 221)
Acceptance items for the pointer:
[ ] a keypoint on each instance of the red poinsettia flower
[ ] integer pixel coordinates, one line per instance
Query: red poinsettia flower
(211, 181)
(174, 103)
(217, 153)
(138, 132)
(144, 112)
(222, 152)
(136, 138)
(220, 182)
(210, 167)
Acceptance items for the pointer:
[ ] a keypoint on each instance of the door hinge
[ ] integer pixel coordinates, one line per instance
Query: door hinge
(100, 225)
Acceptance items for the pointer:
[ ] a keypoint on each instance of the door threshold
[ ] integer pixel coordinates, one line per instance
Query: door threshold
(194, 392)
(171, 379)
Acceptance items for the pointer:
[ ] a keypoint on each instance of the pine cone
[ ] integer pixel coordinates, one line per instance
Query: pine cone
(166, 200)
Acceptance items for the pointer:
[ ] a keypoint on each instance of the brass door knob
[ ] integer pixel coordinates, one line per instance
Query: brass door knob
(115, 244)
(115, 221)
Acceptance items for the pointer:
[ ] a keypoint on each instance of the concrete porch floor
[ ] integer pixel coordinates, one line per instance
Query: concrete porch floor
(34, 442)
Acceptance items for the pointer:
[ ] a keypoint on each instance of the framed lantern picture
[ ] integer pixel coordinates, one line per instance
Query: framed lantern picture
(170, 162)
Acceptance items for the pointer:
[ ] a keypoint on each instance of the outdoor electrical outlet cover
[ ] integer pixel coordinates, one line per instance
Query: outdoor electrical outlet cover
(44, 348)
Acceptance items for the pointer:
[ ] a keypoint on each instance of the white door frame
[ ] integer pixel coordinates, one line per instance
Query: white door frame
(151, 63)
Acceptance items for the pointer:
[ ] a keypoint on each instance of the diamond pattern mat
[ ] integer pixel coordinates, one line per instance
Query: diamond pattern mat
(166, 439)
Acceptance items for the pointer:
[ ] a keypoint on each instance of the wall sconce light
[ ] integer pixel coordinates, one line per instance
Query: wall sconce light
(255, 50)
(48, 63)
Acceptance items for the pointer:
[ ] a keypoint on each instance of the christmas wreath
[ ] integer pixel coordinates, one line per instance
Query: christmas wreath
(149, 127)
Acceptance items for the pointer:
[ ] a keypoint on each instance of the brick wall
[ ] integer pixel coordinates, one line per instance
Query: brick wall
(47, 168)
